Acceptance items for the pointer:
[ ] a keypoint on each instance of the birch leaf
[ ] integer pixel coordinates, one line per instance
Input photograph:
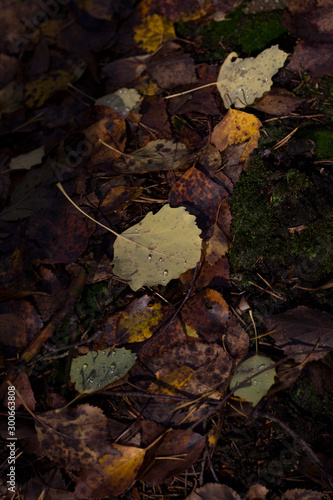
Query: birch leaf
(122, 101)
(241, 81)
(258, 386)
(97, 369)
(158, 249)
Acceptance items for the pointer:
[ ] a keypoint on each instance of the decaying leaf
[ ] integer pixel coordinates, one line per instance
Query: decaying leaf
(303, 333)
(81, 431)
(256, 388)
(217, 245)
(241, 81)
(153, 31)
(158, 249)
(235, 128)
(212, 491)
(156, 156)
(122, 101)
(139, 320)
(96, 370)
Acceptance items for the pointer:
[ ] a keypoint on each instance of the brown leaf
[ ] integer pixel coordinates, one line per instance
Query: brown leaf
(217, 244)
(172, 70)
(186, 444)
(207, 313)
(198, 190)
(74, 437)
(303, 333)
(300, 494)
(62, 235)
(316, 58)
(212, 491)
(278, 102)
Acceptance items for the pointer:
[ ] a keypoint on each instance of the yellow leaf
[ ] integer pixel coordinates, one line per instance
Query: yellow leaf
(153, 31)
(171, 380)
(138, 321)
(235, 128)
(121, 469)
(39, 90)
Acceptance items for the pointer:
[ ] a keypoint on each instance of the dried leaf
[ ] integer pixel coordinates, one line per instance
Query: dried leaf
(303, 333)
(80, 432)
(212, 491)
(139, 320)
(237, 127)
(95, 370)
(153, 31)
(158, 249)
(241, 81)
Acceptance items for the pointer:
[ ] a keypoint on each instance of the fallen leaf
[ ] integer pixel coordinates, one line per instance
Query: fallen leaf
(158, 249)
(303, 333)
(235, 128)
(138, 321)
(119, 470)
(207, 312)
(158, 155)
(241, 81)
(95, 370)
(217, 245)
(74, 437)
(38, 91)
(172, 70)
(153, 31)
(126, 70)
(256, 388)
(278, 102)
(186, 444)
(301, 494)
(27, 160)
(196, 189)
(212, 491)
(122, 101)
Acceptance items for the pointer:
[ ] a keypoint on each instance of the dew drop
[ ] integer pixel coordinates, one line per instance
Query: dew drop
(261, 367)
(165, 272)
(84, 367)
(160, 259)
(255, 382)
(108, 101)
(112, 368)
(163, 282)
(149, 258)
(120, 92)
(116, 108)
(90, 380)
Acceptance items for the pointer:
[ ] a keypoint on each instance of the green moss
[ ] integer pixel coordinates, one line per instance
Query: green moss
(315, 243)
(259, 30)
(323, 139)
(291, 186)
(253, 224)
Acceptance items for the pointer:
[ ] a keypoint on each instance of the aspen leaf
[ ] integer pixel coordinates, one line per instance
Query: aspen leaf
(27, 160)
(241, 81)
(153, 31)
(122, 101)
(256, 388)
(96, 370)
(158, 249)
(235, 128)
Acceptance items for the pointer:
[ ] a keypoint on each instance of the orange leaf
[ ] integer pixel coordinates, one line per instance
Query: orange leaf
(235, 128)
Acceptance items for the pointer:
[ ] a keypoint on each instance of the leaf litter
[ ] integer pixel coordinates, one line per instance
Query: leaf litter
(150, 181)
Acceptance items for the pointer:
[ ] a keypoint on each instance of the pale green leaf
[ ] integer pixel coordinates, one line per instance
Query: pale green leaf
(27, 160)
(97, 369)
(122, 101)
(256, 388)
(158, 249)
(241, 81)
